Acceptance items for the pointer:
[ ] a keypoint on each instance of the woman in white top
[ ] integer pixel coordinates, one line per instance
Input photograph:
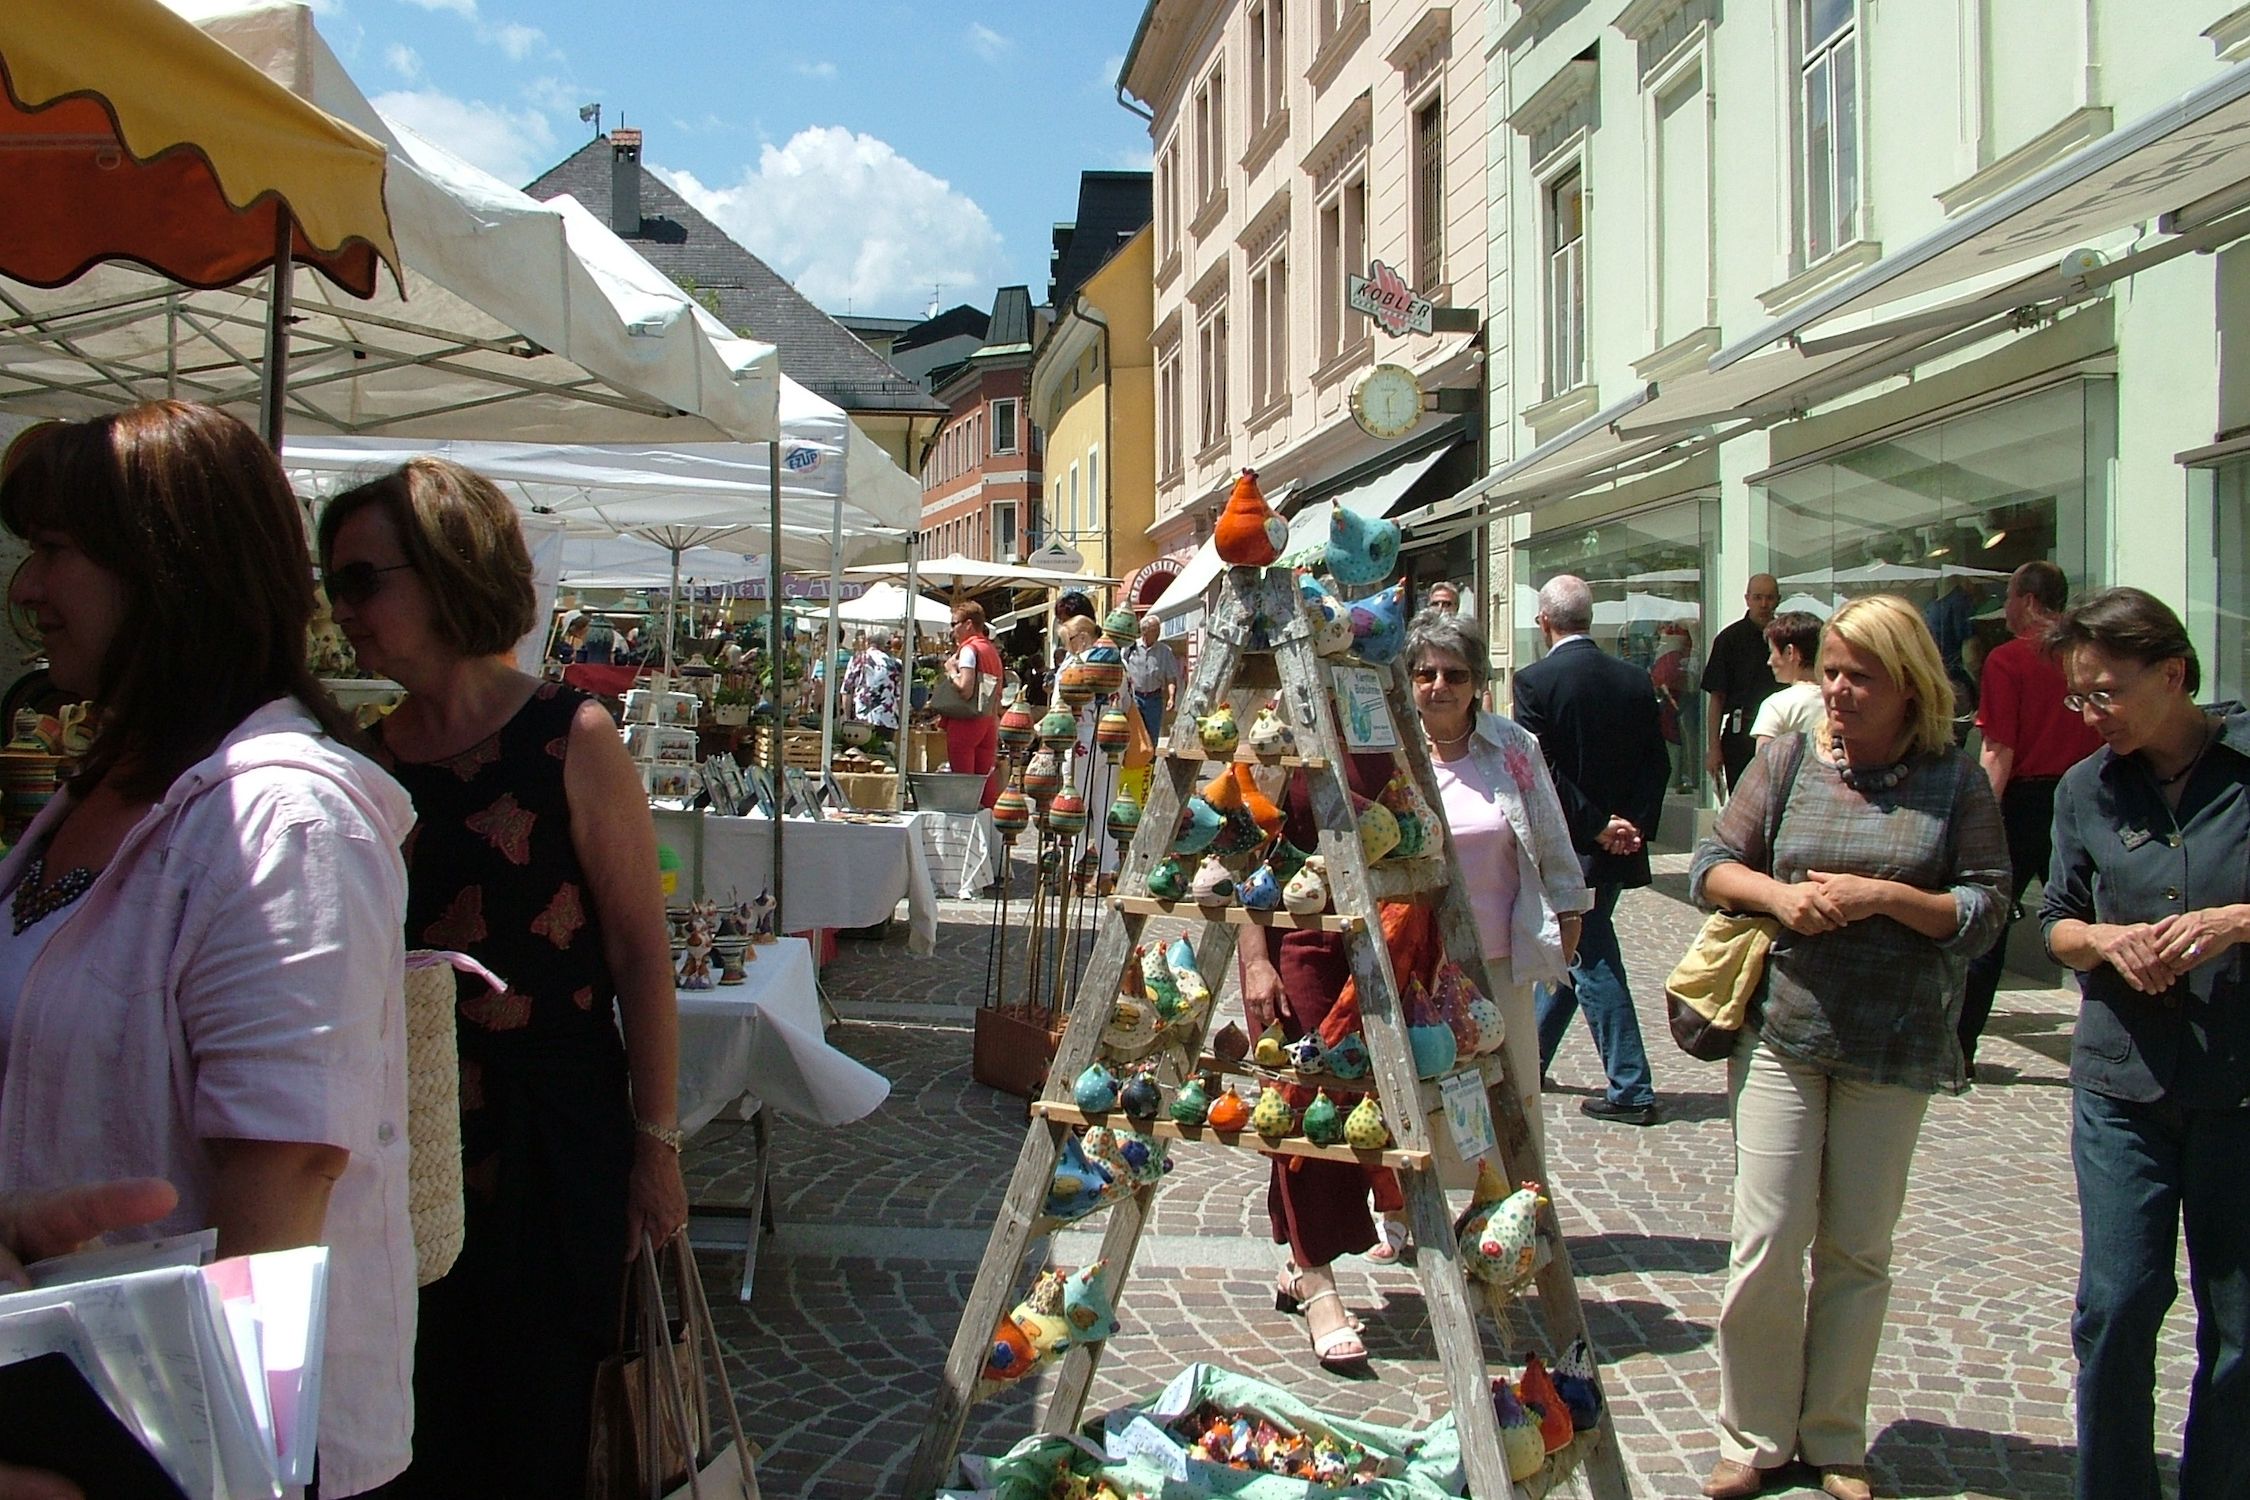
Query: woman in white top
(1524, 881)
(1792, 651)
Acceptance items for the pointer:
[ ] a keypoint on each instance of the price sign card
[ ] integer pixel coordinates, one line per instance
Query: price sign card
(1468, 1114)
(1365, 715)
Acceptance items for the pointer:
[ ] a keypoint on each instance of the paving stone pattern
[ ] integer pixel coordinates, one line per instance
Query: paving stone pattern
(881, 1225)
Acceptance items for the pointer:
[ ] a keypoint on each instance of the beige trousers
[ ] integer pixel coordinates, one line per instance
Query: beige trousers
(1820, 1164)
(1519, 1008)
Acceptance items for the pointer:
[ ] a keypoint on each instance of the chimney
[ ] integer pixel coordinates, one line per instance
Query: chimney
(625, 181)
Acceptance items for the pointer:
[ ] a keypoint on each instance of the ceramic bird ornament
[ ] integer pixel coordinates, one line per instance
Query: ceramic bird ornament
(1524, 1449)
(1132, 1024)
(1575, 1383)
(1361, 550)
(1305, 893)
(1168, 880)
(1192, 1103)
(1213, 884)
(1272, 1049)
(1179, 958)
(1349, 1058)
(1095, 1089)
(1040, 1316)
(1539, 1396)
(1379, 625)
(1306, 1054)
(1248, 533)
(1200, 825)
(1377, 825)
(1157, 983)
(1364, 1129)
(1260, 890)
(1229, 1112)
(1230, 1043)
(1499, 1236)
(1332, 623)
(1272, 1118)
(1012, 1355)
(1218, 733)
(1080, 1185)
(1140, 1098)
(1086, 1304)
(1323, 1123)
(1270, 734)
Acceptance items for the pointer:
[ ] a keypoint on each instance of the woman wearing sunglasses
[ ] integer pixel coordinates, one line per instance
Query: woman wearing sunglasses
(2149, 901)
(536, 853)
(202, 973)
(1523, 878)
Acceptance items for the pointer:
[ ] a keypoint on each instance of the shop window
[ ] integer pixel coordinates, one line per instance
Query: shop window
(1429, 195)
(1004, 538)
(1004, 426)
(2219, 584)
(1565, 309)
(1828, 125)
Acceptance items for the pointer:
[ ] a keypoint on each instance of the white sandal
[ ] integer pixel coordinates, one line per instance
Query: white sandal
(1327, 1347)
(1390, 1242)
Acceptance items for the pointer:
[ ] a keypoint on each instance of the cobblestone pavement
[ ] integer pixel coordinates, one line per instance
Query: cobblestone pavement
(881, 1226)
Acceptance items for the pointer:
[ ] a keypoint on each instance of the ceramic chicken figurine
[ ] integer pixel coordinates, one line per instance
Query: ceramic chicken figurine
(1256, 805)
(1332, 623)
(1379, 625)
(1323, 1123)
(1079, 1186)
(1500, 1234)
(1539, 1396)
(1132, 1156)
(1364, 1129)
(1348, 1058)
(1192, 1103)
(1378, 827)
(1273, 1117)
(1168, 880)
(1157, 983)
(1361, 550)
(1229, 1112)
(1270, 734)
(1086, 1304)
(1260, 890)
(1095, 1089)
(1435, 1049)
(1306, 892)
(1520, 1443)
(1040, 1316)
(1412, 809)
(1306, 1054)
(1272, 1050)
(1248, 533)
(1213, 884)
(1200, 824)
(1574, 1382)
(1179, 958)
(1230, 1043)
(1217, 732)
(1121, 627)
(1456, 991)
(1140, 1098)
(1012, 1356)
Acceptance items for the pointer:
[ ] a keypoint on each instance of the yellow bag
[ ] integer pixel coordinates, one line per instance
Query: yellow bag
(1708, 993)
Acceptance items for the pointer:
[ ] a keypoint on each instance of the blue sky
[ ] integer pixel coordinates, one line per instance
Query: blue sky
(866, 150)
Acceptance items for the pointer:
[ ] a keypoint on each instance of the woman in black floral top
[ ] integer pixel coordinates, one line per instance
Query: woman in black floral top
(533, 851)
(1887, 872)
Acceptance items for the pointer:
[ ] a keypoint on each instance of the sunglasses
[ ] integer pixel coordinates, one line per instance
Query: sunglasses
(1451, 676)
(354, 584)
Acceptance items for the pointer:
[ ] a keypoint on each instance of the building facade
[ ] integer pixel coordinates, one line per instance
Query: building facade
(1093, 396)
(1295, 144)
(1868, 295)
(981, 476)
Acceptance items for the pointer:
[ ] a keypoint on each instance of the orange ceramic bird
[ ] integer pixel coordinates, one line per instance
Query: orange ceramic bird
(1249, 533)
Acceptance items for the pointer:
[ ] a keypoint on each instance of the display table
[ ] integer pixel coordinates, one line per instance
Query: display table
(835, 874)
(959, 849)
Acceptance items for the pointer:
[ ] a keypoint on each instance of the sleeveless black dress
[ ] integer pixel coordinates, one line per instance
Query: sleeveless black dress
(509, 1338)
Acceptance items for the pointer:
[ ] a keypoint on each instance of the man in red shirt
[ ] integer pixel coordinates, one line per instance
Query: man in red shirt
(2030, 739)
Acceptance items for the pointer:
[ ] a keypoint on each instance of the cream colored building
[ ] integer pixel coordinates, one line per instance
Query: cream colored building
(1295, 144)
(1871, 294)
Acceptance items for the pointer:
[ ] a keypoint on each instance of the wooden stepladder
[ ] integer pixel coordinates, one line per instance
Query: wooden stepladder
(1259, 640)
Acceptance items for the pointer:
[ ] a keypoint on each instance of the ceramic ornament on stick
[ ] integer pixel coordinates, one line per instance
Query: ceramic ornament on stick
(1105, 668)
(1112, 733)
(1121, 627)
(1018, 726)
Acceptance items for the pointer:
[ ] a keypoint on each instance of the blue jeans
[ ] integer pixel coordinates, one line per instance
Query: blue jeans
(1151, 706)
(1597, 986)
(2143, 1170)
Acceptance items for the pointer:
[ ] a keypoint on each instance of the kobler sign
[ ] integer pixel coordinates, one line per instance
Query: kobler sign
(1383, 295)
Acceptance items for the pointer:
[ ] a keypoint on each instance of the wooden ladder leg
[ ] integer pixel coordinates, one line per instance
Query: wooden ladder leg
(1460, 1347)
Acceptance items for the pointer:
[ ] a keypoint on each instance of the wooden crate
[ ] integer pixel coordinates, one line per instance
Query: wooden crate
(799, 747)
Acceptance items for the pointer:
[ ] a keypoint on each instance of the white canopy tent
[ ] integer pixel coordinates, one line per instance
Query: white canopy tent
(888, 604)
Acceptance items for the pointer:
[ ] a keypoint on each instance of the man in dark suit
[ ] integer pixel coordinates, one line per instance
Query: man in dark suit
(1597, 722)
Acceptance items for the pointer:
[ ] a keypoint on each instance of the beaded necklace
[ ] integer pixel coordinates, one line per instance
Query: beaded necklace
(1866, 779)
(35, 903)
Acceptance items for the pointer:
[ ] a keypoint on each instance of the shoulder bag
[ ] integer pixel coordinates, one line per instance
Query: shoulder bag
(1709, 994)
(949, 702)
(652, 1437)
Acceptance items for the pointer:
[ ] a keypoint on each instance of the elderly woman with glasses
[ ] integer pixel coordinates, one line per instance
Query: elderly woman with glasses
(536, 854)
(1523, 879)
(2148, 899)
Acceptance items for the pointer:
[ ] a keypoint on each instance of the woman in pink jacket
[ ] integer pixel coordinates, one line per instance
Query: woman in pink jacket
(200, 977)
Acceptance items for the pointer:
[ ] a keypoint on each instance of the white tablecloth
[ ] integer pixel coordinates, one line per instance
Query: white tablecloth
(958, 847)
(760, 1042)
(834, 874)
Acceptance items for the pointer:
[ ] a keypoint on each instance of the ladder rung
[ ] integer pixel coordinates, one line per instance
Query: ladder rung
(1242, 1140)
(1490, 1065)
(1239, 916)
(1244, 756)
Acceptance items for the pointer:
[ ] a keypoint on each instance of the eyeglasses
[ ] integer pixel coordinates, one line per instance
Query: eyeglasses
(1451, 676)
(354, 584)
(2101, 701)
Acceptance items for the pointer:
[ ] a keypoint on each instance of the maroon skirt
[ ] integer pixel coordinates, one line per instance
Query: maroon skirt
(1318, 1208)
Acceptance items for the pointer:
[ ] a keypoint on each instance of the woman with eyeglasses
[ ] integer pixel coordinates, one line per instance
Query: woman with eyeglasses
(202, 978)
(536, 854)
(2148, 899)
(1876, 847)
(1523, 878)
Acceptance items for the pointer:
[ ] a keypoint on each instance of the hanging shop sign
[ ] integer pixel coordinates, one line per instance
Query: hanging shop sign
(1383, 295)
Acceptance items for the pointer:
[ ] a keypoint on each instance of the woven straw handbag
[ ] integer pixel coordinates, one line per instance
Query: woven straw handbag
(433, 1115)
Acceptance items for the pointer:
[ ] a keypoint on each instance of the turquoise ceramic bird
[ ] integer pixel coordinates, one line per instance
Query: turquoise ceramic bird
(1349, 1058)
(1180, 959)
(1360, 550)
(1379, 625)
(1200, 824)
(1086, 1304)
(1332, 635)
(1079, 1186)
(1095, 1090)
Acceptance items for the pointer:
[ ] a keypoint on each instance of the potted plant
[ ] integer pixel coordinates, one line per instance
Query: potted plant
(731, 706)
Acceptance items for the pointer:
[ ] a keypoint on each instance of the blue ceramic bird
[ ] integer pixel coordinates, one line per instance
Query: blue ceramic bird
(1086, 1305)
(1200, 824)
(1079, 1187)
(1379, 625)
(1095, 1090)
(1360, 550)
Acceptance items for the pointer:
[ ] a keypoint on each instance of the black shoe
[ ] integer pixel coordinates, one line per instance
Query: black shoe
(1601, 1108)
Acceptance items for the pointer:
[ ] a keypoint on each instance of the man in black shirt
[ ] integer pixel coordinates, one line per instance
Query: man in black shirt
(1737, 679)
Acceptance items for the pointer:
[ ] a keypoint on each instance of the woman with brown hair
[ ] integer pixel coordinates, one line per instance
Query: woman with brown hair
(972, 745)
(537, 855)
(202, 977)
(1877, 848)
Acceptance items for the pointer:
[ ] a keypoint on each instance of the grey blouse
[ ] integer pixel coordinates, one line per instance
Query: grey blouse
(1874, 1000)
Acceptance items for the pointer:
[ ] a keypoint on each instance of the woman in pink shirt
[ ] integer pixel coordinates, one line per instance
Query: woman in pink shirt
(1508, 833)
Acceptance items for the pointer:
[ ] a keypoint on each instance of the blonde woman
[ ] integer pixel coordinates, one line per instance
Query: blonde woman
(1888, 871)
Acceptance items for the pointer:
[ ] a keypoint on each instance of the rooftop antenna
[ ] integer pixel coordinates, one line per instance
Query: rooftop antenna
(936, 288)
(592, 112)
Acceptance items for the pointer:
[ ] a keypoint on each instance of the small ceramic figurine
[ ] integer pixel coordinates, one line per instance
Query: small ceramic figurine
(1230, 1043)
(1364, 1129)
(1157, 981)
(1040, 1316)
(1520, 1443)
(1499, 1237)
(1269, 735)
(1213, 884)
(1086, 1304)
(1012, 1356)
(1348, 1058)
(1200, 825)
(695, 961)
(1379, 625)
(1378, 828)
(1168, 880)
(1332, 635)
(763, 911)
(1141, 1098)
(1229, 1112)
(1323, 1123)
(1248, 533)
(1079, 1186)
(1538, 1394)
(1260, 890)
(1132, 1024)
(1217, 732)
(1192, 1103)
(1179, 957)
(731, 951)
(1095, 1090)
(1306, 1054)
(1272, 1118)
(1409, 806)
(1112, 733)
(1272, 1050)
(1574, 1382)
(1361, 549)
(1306, 892)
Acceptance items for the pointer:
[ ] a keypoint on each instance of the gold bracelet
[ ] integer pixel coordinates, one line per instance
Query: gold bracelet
(666, 1134)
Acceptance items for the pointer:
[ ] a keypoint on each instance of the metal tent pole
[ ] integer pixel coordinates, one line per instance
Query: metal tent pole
(277, 328)
(774, 647)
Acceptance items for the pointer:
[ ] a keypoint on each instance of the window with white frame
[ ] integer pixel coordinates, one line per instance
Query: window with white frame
(1564, 312)
(1168, 409)
(1004, 426)
(1168, 200)
(1058, 511)
(1682, 193)
(1093, 489)
(1328, 19)
(1210, 136)
(1828, 125)
(1077, 514)
(1343, 251)
(1429, 194)
(1211, 377)
(1269, 62)
(1004, 538)
(1269, 331)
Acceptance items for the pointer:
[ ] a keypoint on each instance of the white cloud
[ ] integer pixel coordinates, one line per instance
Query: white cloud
(403, 60)
(983, 41)
(514, 145)
(852, 222)
(458, 7)
(824, 71)
(515, 39)
(1134, 159)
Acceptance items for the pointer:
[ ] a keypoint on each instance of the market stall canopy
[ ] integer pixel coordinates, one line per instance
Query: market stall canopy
(968, 574)
(612, 562)
(130, 135)
(886, 604)
(518, 320)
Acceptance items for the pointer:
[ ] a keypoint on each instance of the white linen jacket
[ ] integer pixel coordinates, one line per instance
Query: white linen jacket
(1549, 880)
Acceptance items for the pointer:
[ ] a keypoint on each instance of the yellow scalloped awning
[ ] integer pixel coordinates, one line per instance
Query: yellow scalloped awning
(127, 134)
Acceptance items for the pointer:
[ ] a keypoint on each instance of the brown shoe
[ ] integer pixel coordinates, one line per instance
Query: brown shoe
(1733, 1480)
(1846, 1482)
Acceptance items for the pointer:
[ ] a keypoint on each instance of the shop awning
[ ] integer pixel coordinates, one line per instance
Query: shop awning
(1153, 574)
(1372, 497)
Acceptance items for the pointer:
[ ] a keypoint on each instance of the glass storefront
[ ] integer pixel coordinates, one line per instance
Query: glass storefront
(2219, 581)
(1942, 515)
(1647, 572)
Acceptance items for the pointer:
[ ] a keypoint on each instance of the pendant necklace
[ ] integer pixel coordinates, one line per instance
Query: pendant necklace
(1867, 779)
(34, 905)
(2210, 734)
